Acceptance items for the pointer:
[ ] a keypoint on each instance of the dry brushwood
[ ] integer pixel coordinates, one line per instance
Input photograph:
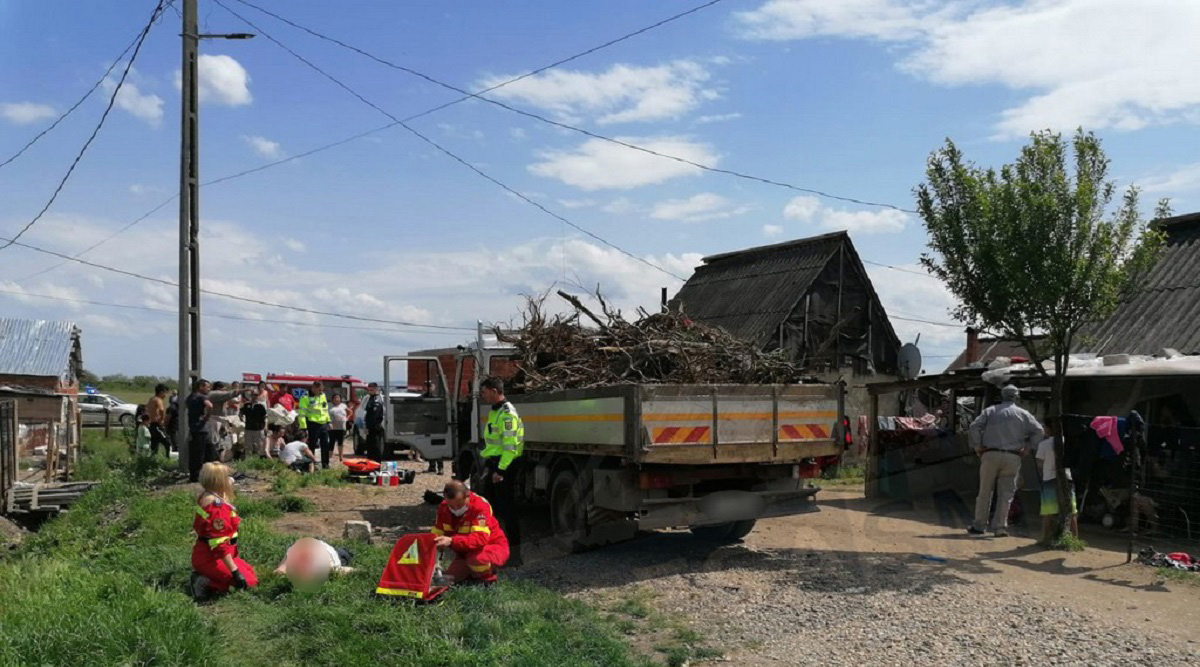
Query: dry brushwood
(586, 349)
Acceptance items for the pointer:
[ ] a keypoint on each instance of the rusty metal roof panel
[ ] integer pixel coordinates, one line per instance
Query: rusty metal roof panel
(749, 293)
(36, 347)
(1165, 311)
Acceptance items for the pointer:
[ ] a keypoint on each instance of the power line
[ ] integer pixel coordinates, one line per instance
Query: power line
(171, 283)
(915, 319)
(112, 99)
(444, 150)
(388, 126)
(558, 124)
(78, 102)
(220, 315)
(900, 269)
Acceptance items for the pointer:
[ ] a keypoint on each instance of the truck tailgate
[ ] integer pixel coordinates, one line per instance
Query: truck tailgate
(738, 423)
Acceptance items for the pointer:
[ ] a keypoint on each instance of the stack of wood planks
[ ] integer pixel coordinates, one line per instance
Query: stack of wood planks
(52, 497)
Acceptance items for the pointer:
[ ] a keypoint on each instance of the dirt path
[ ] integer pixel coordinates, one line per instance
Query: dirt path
(858, 581)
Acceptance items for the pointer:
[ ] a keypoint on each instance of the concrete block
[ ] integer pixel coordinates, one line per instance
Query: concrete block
(357, 530)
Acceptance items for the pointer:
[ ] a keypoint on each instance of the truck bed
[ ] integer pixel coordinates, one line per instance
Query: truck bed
(687, 424)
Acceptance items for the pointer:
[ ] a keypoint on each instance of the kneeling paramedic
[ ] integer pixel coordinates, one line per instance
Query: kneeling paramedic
(215, 561)
(466, 525)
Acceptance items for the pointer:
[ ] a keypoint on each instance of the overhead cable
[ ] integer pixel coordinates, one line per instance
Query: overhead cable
(388, 126)
(112, 99)
(223, 316)
(559, 124)
(444, 150)
(171, 283)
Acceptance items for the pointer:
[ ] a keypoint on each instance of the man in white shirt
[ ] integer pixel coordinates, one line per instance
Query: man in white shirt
(296, 454)
(1045, 457)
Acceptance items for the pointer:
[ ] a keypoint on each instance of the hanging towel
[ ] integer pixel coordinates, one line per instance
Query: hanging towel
(1106, 428)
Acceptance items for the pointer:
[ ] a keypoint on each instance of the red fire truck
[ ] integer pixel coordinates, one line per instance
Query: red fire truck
(350, 387)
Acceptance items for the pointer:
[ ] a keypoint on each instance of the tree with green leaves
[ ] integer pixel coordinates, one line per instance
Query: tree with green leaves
(1037, 250)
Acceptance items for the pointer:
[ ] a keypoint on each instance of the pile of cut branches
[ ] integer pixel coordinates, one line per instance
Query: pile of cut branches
(584, 349)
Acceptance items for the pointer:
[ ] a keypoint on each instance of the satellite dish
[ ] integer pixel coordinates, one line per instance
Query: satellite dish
(909, 361)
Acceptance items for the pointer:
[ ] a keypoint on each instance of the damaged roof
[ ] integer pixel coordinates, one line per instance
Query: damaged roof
(37, 347)
(1164, 312)
(751, 292)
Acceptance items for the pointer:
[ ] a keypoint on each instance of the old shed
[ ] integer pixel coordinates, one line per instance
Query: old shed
(40, 365)
(810, 297)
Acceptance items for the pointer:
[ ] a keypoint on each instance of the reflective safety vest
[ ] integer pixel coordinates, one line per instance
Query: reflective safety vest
(217, 527)
(504, 435)
(312, 411)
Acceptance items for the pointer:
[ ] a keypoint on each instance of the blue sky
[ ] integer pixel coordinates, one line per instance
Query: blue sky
(846, 97)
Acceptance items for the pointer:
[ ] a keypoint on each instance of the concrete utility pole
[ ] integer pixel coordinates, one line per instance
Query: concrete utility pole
(189, 227)
(189, 219)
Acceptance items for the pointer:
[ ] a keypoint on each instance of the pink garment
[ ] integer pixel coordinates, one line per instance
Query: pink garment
(1106, 428)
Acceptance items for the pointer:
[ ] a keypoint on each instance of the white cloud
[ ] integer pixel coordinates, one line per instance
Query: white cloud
(263, 146)
(137, 189)
(23, 113)
(717, 118)
(294, 245)
(1092, 63)
(623, 93)
(772, 231)
(619, 206)
(697, 208)
(1183, 179)
(913, 297)
(800, 19)
(221, 80)
(577, 203)
(599, 165)
(388, 283)
(517, 133)
(146, 106)
(810, 209)
(802, 208)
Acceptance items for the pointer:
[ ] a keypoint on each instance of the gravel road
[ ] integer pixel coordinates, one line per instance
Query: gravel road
(849, 585)
(777, 606)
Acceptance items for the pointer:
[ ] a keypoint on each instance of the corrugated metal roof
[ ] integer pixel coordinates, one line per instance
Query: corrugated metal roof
(749, 293)
(1165, 311)
(36, 347)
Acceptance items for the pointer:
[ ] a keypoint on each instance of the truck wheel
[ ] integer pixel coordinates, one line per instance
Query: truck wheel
(724, 533)
(567, 511)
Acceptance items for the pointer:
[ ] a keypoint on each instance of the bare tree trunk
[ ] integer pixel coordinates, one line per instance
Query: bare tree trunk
(1061, 485)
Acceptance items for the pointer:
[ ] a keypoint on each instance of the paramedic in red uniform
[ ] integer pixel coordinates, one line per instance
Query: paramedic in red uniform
(466, 525)
(215, 556)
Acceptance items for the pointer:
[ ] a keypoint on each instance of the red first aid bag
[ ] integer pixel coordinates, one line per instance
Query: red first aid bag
(360, 466)
(409, 570)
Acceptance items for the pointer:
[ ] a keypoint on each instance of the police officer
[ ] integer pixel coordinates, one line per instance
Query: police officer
(373, 417)
(313, 414)
(504, 442)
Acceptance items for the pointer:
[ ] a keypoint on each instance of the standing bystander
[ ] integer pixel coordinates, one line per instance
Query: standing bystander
(1000, 435)
(339, 413)
(254, 417)
(156, 410)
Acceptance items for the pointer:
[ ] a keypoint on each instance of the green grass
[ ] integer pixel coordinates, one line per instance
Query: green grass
(105, 584)
(1068, 542)
(845, 475)
(289, 481)
(1171, 574)
(676, 644)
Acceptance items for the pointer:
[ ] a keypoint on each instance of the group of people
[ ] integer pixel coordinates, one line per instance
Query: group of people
(1002, 436)
(482, 539)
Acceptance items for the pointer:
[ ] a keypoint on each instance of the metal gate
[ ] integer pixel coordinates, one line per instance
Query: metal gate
(8, 449)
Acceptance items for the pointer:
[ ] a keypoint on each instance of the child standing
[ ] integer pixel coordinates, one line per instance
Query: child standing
(142, 442)
(1045, 456)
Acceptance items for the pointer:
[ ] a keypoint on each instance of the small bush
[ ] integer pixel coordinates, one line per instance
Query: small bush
(1068, 542)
